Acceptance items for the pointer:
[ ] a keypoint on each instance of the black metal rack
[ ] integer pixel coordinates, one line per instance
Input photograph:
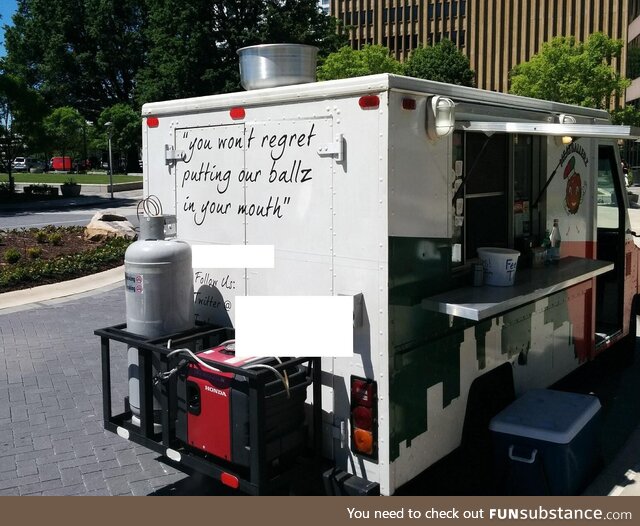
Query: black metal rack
(258, 478)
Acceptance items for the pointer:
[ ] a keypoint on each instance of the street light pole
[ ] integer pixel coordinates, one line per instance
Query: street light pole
(110, 132)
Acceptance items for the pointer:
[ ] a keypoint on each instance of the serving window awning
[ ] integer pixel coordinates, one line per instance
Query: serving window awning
(604, 131)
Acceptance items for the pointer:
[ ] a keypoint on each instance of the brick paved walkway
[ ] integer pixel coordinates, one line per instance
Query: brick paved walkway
(51, 437)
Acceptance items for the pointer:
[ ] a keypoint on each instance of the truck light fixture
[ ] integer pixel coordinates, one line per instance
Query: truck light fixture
(441, 117)
(362, 418)
(363, 441)
(364, 405)
(368, 102)
(229, 480)
(565, 119)
(152, 122)
(237, 113)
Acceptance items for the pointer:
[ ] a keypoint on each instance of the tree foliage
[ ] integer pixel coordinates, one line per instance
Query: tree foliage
(193, 49)
(347, 63)
(572, 72)
(442, 62)
(65, 126)
(80, 53)
(21, 112)
(125, 133)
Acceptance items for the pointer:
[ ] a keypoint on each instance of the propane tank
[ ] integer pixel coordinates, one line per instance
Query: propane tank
(158, 293)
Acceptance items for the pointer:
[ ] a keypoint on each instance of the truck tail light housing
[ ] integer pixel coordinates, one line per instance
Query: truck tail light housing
(364, 417)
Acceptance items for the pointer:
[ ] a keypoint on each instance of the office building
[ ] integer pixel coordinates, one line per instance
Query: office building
(495, 34)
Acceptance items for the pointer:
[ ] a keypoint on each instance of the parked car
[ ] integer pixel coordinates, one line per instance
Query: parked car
(38, 166)
(22, 164)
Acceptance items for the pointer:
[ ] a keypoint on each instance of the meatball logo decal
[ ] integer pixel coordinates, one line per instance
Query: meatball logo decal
(575, 189)
(573, 195)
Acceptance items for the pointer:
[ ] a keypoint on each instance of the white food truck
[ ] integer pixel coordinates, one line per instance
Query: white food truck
(383, 188)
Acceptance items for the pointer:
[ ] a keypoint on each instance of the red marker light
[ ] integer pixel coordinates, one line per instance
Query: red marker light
(408, 104)
(229, 480)
(153, 122)
(369, 102)
(237, 113)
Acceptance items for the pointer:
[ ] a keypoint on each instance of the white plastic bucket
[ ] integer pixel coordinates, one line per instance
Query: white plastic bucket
(499, 264)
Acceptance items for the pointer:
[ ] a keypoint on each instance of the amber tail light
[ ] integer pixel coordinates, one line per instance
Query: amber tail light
(364, 417)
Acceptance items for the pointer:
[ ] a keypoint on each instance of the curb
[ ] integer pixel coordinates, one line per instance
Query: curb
(18, 298)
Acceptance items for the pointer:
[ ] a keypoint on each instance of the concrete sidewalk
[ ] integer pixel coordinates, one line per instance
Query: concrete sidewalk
(27, 298)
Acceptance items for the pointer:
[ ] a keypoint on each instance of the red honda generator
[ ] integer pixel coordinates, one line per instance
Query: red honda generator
(213, 407)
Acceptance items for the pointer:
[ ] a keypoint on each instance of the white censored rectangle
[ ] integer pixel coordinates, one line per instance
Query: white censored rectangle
(233, 256)
(294, 326)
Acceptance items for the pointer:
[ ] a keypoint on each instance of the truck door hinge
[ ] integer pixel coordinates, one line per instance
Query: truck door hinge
(171, 155)
(334, 149)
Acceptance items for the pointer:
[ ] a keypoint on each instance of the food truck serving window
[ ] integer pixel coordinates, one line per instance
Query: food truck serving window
(501, 173)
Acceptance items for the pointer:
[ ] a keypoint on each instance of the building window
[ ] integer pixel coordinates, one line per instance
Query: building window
(385, 15)
(430, 12)
(462, 38)
(392, 14)
(454, 9)
(463, 7)
(633, 59)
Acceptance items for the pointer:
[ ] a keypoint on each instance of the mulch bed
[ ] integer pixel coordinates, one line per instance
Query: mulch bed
(71, 242)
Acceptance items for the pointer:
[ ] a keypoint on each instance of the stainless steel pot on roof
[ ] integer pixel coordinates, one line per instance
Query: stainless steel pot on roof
(271, 65)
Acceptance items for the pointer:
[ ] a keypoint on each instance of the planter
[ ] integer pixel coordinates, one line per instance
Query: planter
(70, 190)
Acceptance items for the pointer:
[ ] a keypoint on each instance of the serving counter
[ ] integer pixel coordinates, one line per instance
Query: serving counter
(531, 284)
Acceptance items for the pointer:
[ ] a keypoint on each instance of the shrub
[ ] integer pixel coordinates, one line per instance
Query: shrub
(12, 255)
(40, 189)
(34, 252)
(55, 238)
(41, 236)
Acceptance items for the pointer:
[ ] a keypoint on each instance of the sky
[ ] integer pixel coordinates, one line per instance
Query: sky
(7, 8)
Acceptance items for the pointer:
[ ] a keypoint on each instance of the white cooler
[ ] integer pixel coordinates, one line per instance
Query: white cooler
(545, 443)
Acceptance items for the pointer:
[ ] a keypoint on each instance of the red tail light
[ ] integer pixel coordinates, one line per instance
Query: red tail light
(364, 417)
(153, 122)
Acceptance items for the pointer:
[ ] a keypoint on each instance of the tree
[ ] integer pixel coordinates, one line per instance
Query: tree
(442, 62)
(79, 53)
(125, 133)
(193, 50)
(66, 126)
(21, 109)
(370, 60)
(572, 72)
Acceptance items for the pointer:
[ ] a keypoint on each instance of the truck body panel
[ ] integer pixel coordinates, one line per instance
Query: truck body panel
(357, 200)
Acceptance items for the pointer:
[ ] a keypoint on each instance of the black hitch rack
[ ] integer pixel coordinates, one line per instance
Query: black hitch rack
(258, 478)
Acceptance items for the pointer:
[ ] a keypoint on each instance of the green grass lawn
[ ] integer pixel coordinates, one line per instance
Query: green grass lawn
(58, 178)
